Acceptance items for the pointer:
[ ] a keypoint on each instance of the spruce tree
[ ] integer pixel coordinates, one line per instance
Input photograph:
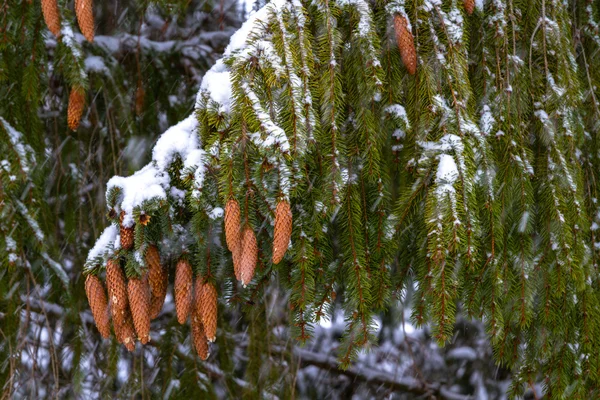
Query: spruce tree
(425, 148)
(344, 157)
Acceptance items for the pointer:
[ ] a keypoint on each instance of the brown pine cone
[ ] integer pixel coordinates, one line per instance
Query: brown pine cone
(283, 230)
(207, 305)
(126, 233)
(51, 16)
(469, 6)
(85, 18)
(98, 303)
(117, 287)
(158, 279)
(248, 256)
(199, 337)
(232, 224)
(235, 255)
(75, 108)
(406, 43)
(124, 330)
(183, 289)
(139, 302)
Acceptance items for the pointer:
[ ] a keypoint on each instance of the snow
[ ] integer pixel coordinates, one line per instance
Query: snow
(11, 244)
(24, 151)
(68, 38)
(454, 24)
(103, 243)
(462, 353)
(149, 183)
(217, 84)
(239, 38)
(95, 64)
(57, 268)
(398, 111)
(447, 173)
(275, 135)
(446, 143)
(487, 120)
(152, 182)
(524, 221)
(181, 139)
(216, 213)
(39, 235)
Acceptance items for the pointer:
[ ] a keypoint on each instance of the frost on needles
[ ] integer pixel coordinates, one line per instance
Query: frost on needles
(464, 188)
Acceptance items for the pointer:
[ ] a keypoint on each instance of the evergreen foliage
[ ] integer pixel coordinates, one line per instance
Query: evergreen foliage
(469, 187)
(466, 190)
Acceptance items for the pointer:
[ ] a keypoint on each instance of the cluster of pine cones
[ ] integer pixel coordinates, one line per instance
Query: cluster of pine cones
(406, 41)
(85, 19)
(241, 240)
(134, 302)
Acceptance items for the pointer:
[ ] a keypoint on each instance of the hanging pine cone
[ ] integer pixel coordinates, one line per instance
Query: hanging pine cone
(98, 304)
(139, 98)
(85, 18)
(158, 280)
(127, 234)
(51, 16)
(248, 256)
(116, 285)
(283, 230)
(232, 225)
(206, 304)
(199, 337)
(183, 289)
(406, 43)
(124, 330)
(235, 255)
(75, 109)
(469, 6)
(138, 290)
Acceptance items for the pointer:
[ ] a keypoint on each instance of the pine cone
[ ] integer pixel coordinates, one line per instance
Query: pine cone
(127, 233)
(85, 18)
(124, 330)
(139, 302)
(283, 230)
(51, 16)
(235, 255)
(98, 303)
(248, 256)
(75, 109)
(117, 287)
(469, 6)
(406, 43)
(183, 289)
(232, 225)
(199, 337)
(158, 279)
(206, 306)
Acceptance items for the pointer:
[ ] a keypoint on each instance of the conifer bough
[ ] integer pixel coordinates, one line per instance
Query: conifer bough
(467, 187)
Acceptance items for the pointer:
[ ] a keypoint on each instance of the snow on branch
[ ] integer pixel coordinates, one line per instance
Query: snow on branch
(24, 151)
(152, 182)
